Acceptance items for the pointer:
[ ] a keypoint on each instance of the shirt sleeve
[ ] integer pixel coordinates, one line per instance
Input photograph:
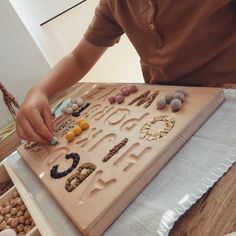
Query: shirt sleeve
(103, 31)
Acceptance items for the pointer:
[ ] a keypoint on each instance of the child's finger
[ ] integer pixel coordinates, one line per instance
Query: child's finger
(38, 125)
(47, 116)
(31, 134)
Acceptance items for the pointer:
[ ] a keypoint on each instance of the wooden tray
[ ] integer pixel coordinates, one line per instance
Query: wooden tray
(105, 193)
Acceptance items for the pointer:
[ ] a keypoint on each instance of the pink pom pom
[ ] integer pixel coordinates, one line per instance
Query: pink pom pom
(112, 99)
(119, 99)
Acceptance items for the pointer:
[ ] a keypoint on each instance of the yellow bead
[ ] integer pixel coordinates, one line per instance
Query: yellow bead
(84, 125)
(79, 121)
(77, 130)
(70, 136)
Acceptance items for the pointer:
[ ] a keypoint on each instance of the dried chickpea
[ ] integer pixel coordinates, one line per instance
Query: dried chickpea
(7, 216)
(13, 211)
(19, 213)
(1, 208)
(27, 221)
(23, 207)
(20, 228)
(6, 210)
(9, 221)
(6, 203)
(18, 201)
(12, 202)
(14, 223)
(15, 194)
(27, 214)
(3, 225)
(26, 229)
(21, 234)
(21, 219)
(1, 218)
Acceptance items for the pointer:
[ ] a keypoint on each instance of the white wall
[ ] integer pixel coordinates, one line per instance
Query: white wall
(21, 62)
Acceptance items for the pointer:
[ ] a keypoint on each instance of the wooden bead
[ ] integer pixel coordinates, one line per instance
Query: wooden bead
(77, 130)
(84, 125)
(70, 136)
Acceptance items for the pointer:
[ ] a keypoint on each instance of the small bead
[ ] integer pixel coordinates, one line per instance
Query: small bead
(84, 125)
(132, 88)
(77, 130)
(112, 99)
(70, 136)
(120, 99)
(54, 141)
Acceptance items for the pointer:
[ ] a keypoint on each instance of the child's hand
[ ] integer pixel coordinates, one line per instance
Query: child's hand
(34, 120)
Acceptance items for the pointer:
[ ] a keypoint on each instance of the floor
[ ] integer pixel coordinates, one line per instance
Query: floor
(58, 37)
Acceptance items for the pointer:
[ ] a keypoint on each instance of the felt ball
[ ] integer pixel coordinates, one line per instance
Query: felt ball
(133, 88)
(69, 104)
(181, 90)
(75, 106)
(119, 94)
(73, 100)
(176, 105)
(77, 130)
(169, 97)
(70, 136)
(112, 99)
(54, 141)
(69, 110)
(179, 96)
(120, 99)
(84, 124)
(161, 103)
(125, 92)
(79, 101)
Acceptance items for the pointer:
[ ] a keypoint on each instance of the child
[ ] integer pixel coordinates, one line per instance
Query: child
(187, 43)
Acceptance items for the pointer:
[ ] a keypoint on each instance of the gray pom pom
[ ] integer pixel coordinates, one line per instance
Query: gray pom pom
(181, 90)
(176, 105)
(169, 97)
(179, 96)
(161, 103)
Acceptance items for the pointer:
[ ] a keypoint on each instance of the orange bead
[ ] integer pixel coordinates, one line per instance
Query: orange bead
(79, 121)
(70, 136)
(84, 124)
(77, 130)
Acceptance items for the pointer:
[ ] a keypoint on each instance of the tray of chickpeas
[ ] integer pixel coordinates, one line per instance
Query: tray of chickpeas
(14, 215)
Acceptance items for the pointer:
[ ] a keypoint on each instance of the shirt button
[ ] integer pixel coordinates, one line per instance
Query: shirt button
(151, 27)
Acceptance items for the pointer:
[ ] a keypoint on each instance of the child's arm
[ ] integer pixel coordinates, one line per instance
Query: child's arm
(33, 120)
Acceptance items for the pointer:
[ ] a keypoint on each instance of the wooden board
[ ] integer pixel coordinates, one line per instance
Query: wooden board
(105, 193)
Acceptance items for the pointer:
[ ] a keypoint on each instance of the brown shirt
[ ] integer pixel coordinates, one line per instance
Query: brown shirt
(188, 42)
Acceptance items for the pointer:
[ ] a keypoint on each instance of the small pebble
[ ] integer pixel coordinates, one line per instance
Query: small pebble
(112, 99)
(181, 90)
(132, 88)
(179, 96)
(75, 106)
(176, 105)
(161, 104)
(120, 99)
(125, 92)
(69, 110)
(169, 97)
(54, 141)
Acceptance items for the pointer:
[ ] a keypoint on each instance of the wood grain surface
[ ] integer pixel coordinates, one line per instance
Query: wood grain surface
(214, 214)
